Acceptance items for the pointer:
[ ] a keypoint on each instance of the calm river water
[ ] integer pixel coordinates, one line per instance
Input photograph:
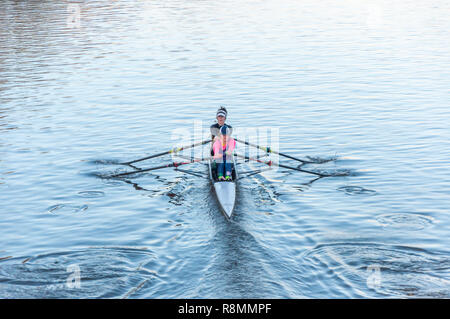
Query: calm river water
(361, 86)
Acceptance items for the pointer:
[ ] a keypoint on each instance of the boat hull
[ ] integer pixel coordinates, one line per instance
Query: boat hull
(225, 191)
(226, 196)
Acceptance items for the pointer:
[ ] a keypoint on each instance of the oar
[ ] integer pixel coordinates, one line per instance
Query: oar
(251, 173)
(174, 150)
(174, 164)
(191, 158)
(269, 150)
(270, 163)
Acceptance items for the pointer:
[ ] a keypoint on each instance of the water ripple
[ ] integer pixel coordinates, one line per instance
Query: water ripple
(401, 271)
(405, 221)
(61, 209)
(91, 194)
(356, 190)
(105, 272)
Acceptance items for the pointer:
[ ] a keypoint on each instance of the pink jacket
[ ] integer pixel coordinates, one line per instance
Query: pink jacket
(219, 149)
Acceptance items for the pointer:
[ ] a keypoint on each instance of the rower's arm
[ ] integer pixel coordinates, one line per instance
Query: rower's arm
(214, 133)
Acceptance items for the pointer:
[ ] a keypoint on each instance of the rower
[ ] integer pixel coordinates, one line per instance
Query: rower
(221, 117)
(223, 149)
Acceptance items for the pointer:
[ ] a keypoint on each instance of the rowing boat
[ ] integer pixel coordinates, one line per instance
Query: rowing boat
(225, 190)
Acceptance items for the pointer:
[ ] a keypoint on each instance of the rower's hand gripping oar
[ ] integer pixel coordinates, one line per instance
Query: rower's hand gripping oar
(269, 150)
(174, 150)
(174, 164)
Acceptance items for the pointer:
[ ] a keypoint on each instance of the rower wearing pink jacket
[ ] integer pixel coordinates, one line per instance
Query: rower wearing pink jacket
(223, 149)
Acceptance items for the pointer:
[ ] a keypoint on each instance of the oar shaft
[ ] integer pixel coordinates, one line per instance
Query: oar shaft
(174, 164)
(148, 157)
(143, 170)
(266, 149)
(299, 169)
(174, 150)
(293, 158)
(270, 163)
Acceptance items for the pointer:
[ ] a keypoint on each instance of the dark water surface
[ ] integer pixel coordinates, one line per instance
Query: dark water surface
(364, 87)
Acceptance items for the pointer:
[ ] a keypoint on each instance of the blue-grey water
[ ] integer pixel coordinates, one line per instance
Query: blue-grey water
(362, 86)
